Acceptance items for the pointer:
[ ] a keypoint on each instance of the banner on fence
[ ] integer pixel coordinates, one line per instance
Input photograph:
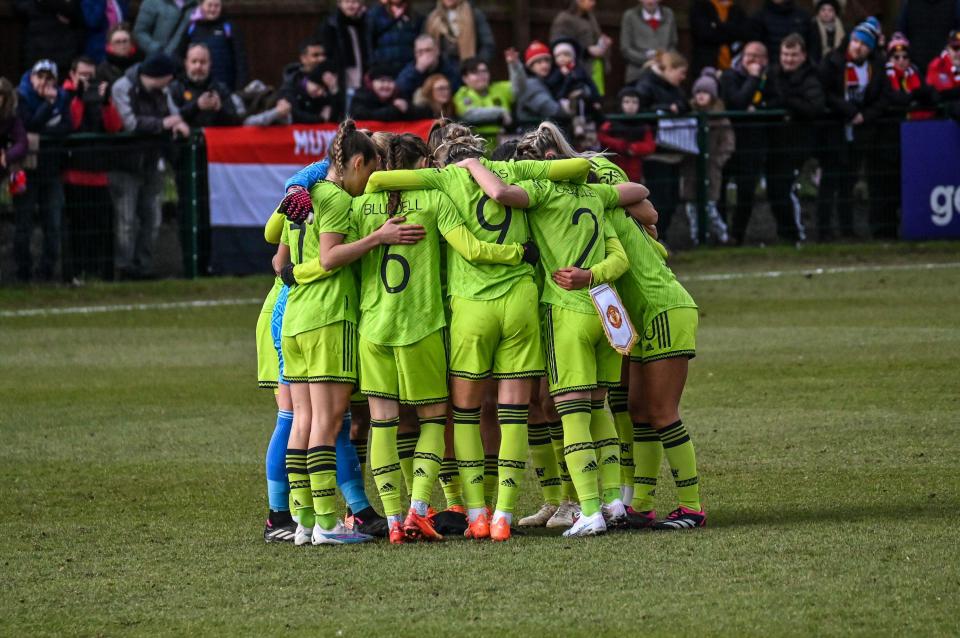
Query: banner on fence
(248, 166)
(930, 162)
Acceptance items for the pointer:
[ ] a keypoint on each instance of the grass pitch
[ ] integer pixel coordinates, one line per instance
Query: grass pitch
(824, 408)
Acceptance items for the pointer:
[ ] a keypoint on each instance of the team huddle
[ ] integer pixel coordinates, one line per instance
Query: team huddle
(437, 305)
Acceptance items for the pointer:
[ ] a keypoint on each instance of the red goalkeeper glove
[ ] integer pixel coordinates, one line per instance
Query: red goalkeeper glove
(296, 205)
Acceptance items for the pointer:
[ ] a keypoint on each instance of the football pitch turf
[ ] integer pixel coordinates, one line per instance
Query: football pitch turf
(824, 407)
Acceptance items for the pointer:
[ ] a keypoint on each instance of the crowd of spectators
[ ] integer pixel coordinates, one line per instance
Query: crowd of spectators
(179, 65)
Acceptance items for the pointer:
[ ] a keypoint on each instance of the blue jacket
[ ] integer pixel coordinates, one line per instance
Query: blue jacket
(95, 17)
(410, 79)
(391, 41)
(40, 116)
(228, 58)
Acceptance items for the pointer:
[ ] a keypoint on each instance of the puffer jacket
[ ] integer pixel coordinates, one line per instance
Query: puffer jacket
(389, 39)
(228, 57)
(161, 25)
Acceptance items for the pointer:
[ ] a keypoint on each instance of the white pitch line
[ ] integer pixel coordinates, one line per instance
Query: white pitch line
(834, 270)
(212, 303)
(90, 310)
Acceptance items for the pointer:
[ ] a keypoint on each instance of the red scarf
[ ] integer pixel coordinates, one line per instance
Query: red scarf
(853, 88)
(948, 64)
(903, 81)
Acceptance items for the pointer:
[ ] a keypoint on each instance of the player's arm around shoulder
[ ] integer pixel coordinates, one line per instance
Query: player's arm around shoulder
(494, 187)
(405, 180)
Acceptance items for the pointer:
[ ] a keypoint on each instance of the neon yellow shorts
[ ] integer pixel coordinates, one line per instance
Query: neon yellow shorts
(325, 354)
(497, 337)
(672, 333)
(268, 365)
(579, 357)
(415, 374)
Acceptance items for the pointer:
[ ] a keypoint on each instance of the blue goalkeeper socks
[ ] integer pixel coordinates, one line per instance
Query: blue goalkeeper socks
(277, 486)
(349, 477)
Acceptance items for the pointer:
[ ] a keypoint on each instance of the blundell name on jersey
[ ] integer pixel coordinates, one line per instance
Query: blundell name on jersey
(406, 206)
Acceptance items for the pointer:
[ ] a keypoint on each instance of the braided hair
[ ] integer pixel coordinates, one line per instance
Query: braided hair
(349, 142)
(459, 142)
(404, 151)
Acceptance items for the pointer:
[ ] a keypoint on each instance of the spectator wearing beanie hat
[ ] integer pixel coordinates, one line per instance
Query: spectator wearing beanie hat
(630, 140)
(943, 74)
(142, 98)
(857, 94)
(721, 143)
(827, 32)
(535, 102)
(910, 97)
(569, 83)
(927, 24)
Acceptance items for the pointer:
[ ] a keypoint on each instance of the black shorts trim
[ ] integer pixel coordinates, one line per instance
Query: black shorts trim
(576, 388)
(689, 354)
(267, 384)
(427, 401)
(472, 376)
(529, 374)
(394, 397)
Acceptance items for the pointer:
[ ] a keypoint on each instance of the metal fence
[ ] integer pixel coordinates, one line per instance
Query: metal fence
(731, 177)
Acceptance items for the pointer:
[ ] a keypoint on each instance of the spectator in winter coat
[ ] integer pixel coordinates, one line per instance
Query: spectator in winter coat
(315, 97)
(646, 29)
(392, 28)
(718, 28)
(630, 140)
(777, 19)
(88, 215)
(228, 57)
(54, 30)
(660, 92)
(579, 25)
(121, 53)
(201, 100)
(100, 16)
(143, 101)
(381, 101)
(744, 87)
(943, 74)
(344, 36)
(311, 53)
(927, 24)
(13, 136)
(462, 31)
(44, 109)
(572, 86)
(794, 85)
(910, 97)
(162, 25)
(721, 143)
(427, 60)
(481, 104)
(857, 92)
(436, 95)
(826, 31)
(535, 102)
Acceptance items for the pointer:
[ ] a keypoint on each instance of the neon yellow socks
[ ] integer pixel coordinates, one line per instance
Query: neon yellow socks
(385, 464)
(301, 500)
(489, 479)
(427, 457)
(468, 448)
(683, 463)
(406, 444)
(607, 445)
(647, 457)
(567, 491)
(617, 398)
(322, 468)
(449, 478)
(578, 451)
(544, 461)
(513, 453)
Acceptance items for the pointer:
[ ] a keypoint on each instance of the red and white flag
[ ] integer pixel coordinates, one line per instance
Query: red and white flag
(248, 166)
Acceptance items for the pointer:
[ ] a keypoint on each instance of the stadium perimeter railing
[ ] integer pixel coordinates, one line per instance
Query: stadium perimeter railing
(798, 161)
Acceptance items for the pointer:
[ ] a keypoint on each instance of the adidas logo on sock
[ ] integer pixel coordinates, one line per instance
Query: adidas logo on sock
(611, 459)
(296, 503)
(477, 479)
(420, 472)
(591, 467)
(509, 482)
(386, 487)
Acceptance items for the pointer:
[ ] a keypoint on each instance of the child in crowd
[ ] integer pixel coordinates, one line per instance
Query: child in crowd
(721, 144)
(630, 140)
